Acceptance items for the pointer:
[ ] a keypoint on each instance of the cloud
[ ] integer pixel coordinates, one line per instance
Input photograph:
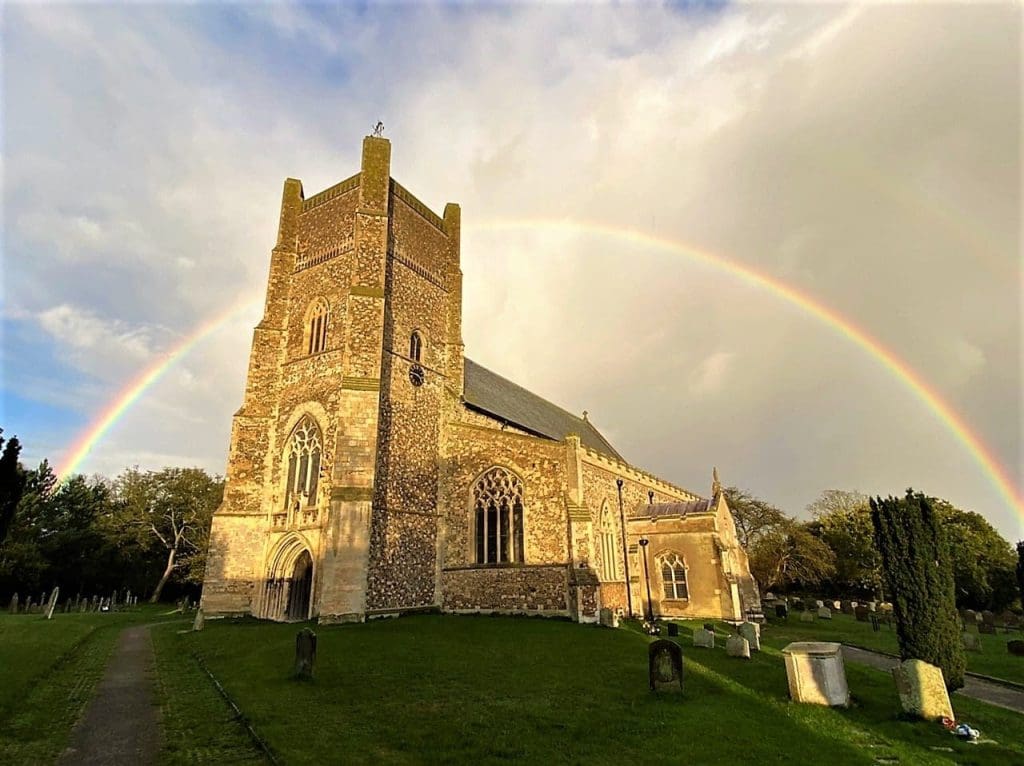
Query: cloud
(843, 150)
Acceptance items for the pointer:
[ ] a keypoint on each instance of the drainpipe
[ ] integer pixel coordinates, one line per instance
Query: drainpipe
(625, 549)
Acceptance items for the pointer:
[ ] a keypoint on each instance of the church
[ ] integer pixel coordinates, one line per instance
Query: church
(375, 470)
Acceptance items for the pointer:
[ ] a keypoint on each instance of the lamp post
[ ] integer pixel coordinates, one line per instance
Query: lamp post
(625, 550)
(647, 580)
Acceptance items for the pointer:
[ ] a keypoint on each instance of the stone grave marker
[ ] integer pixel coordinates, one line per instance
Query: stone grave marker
(837, 606)
(1015, 647)
(872, 606)
(861, 613)
(972, 642)
(32, 607)
(848, 607)
(798, 604)
(824, 613)
(816, 673)
(819, 603)
(751, 631)
(13, 606)
(922, 690)
(806, 616)
(604, 617)
(704, 638)
(673, 629)
(781, 611)
(199, 621)
(53, 603)
(988, 628)
(664, 664)
(305, 654)
(770, 596)
(970, 617)
(737, 646)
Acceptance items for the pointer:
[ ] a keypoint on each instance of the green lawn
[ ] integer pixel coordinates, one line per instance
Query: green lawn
(481, 690)
(48, 671)
(993, 660)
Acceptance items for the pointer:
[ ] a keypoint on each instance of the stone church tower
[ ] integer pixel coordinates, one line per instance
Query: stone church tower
(374, 470)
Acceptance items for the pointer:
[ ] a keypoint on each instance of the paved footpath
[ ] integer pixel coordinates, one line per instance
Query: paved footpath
(975, 688)
(121, 724)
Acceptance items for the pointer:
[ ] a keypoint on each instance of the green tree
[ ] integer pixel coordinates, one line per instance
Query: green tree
(12, 483)
(1020, 570)
(919, 579)
(843, 521)
(789, 555)
(753, 516)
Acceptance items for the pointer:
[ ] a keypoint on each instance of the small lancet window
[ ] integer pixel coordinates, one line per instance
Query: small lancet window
(304, 449)
(498, 517)
(673, 577)
(609, 555)
(316, 327)
(415, 346)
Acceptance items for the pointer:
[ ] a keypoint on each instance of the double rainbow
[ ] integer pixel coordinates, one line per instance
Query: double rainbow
(983, 456)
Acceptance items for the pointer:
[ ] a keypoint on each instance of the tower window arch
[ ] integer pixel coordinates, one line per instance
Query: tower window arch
(303, 455)
(415, 346)
(498, 517)
(316, 326)
(609, 552)
(673, 576)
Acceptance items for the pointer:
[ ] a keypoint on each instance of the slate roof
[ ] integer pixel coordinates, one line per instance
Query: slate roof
(654, 510)
(493, 395)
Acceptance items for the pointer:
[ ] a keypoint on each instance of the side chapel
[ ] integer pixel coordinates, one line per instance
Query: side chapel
(374, 469)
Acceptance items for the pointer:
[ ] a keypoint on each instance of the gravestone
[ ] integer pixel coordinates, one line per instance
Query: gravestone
(13, 606)
(816, 674)
(32, 607)
(770, 596)
(972, 642)
(989, 618)
(751, 631)
(848, 607)
(781, 611)
(806, 616)
(53, 603)
(798, 604)
(861, 613)
(819, 603)
(922, 690)
(970, 617)
(988, 628)
(872, 606)
(709, 626)
(673, 629)
(305, 654)
(199, 621)
(664, 664)
(737, 646)
(704, 638)
(885, 607)
(604, 617)
(43, 601)
(1015, 647)
(824, 613)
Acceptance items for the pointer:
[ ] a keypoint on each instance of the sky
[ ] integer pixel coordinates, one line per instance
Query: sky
(866, 156)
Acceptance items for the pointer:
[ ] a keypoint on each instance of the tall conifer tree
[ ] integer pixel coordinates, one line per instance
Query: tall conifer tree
(918, 574)
(12, 483)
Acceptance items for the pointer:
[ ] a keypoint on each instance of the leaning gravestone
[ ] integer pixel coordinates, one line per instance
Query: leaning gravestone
(751, 631)
(13, 606)
(53, 603)
(781, 611)
(922, 690)
(704, 638)
(737, 646)
(673, 629)
(806, 616)
(824, 613)
(305, 654)
(861, 613)
(972, 642)
(199, 621)
(664, 664)
(1015, 647)
(816, 674)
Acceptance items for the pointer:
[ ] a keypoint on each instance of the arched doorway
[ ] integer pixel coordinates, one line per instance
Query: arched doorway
(301, 587)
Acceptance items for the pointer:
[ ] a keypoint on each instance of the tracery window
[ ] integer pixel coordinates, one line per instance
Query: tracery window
(304, 449)
(316, 327)
(673, 576)
(415, 346)
(498, 517)
(609, 555)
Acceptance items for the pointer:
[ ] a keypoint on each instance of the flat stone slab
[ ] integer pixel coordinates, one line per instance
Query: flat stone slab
(121, 724)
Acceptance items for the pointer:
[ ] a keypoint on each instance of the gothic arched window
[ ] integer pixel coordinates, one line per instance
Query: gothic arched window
(609, 555)
(673, 576)
(415, 346)
(304, 450)
(498, 517)
(316, 327)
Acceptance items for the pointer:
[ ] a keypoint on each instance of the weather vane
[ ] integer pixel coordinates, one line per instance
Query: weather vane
(378, 129)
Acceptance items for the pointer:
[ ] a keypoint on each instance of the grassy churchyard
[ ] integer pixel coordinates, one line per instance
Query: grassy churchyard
(469, 690)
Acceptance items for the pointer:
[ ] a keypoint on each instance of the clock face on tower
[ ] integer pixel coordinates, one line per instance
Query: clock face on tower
(416, 375)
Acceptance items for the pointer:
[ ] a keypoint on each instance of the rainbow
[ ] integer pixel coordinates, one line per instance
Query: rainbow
(989, 464)
(131, 392)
